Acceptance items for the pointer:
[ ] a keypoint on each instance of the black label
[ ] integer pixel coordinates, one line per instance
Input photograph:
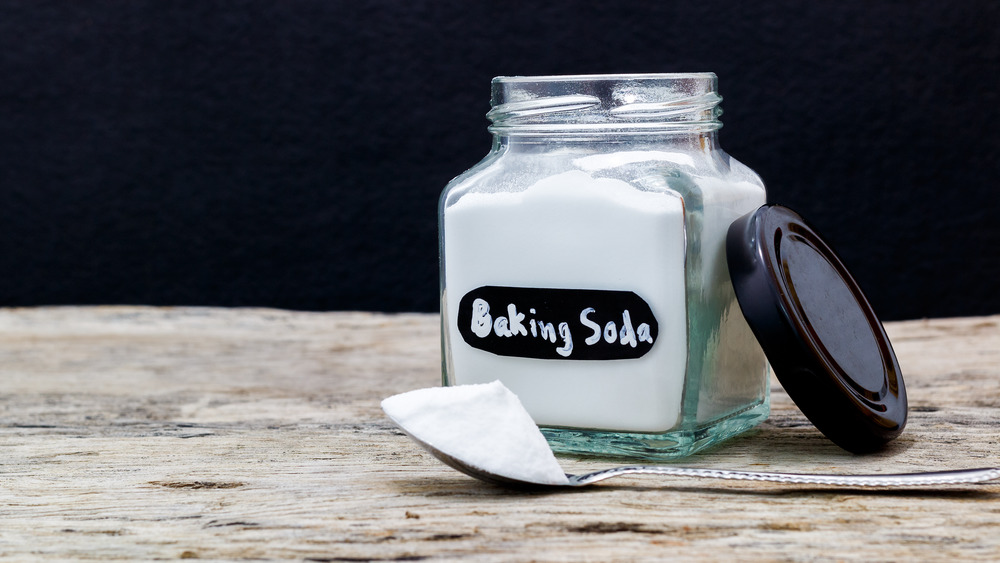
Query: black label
(557, 324)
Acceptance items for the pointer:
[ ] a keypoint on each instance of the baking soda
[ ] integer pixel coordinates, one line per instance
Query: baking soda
(572, 230)
(483, 425)
(575, 230)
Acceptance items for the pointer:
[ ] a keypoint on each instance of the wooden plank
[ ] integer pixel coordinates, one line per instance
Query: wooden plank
(140, 433)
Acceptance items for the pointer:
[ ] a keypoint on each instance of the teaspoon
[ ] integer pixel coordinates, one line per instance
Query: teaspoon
(929, 478)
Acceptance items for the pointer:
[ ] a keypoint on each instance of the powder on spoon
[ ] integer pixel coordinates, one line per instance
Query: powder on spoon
(484, 425)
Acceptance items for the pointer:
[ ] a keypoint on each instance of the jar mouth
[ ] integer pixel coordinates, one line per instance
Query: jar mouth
(603, 77)
(599, 103)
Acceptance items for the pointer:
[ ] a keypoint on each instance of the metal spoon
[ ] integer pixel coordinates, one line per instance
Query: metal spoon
(892, 480)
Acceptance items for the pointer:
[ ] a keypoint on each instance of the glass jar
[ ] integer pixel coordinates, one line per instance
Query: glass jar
(583, 265)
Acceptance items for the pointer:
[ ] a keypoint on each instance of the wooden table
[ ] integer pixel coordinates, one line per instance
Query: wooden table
(162, 433)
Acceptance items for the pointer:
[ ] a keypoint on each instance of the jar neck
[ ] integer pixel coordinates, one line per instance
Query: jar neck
(655, 107)
(693, 142)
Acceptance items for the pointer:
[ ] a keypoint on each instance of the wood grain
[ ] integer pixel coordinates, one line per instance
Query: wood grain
(139, 433)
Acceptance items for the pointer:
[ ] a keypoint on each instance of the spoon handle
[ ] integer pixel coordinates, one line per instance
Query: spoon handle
(892, 480)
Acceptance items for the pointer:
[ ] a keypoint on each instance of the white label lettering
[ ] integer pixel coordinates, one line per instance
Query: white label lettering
(610, 332)
(627, 335)
(567, 348)
(644, 334)
(605, 318)
(515, 321)
(593, 338)
(481, 320)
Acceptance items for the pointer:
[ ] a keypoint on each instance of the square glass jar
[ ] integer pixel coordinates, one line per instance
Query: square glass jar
(583, 265)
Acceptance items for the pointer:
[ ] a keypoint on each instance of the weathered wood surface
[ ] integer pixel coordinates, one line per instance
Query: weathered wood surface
(162, 433)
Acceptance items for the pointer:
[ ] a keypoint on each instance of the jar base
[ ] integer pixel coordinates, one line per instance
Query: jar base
(654, 447)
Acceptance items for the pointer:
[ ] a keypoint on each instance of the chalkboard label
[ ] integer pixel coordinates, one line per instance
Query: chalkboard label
(557, 324)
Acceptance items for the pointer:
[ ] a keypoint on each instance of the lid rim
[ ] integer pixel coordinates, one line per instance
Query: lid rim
(803, 363)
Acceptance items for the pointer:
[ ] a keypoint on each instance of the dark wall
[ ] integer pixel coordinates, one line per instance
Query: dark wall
(290, 153)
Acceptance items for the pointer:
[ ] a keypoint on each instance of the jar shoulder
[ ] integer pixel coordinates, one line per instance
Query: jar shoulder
(483, 173)
(739, 172)
(648, 170)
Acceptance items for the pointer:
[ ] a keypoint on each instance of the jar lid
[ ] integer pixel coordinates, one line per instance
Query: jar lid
(817, 329)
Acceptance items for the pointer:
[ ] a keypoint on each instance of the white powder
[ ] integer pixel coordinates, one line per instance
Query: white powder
(575, 231)
(483, 425)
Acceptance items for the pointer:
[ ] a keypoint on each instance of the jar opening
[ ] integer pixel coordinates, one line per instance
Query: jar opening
(609, 77)
(574, 104)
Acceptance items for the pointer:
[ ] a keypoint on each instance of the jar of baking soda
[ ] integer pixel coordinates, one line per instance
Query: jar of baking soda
(584, 265)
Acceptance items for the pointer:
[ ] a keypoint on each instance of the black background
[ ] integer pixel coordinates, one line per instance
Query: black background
(290, 153)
